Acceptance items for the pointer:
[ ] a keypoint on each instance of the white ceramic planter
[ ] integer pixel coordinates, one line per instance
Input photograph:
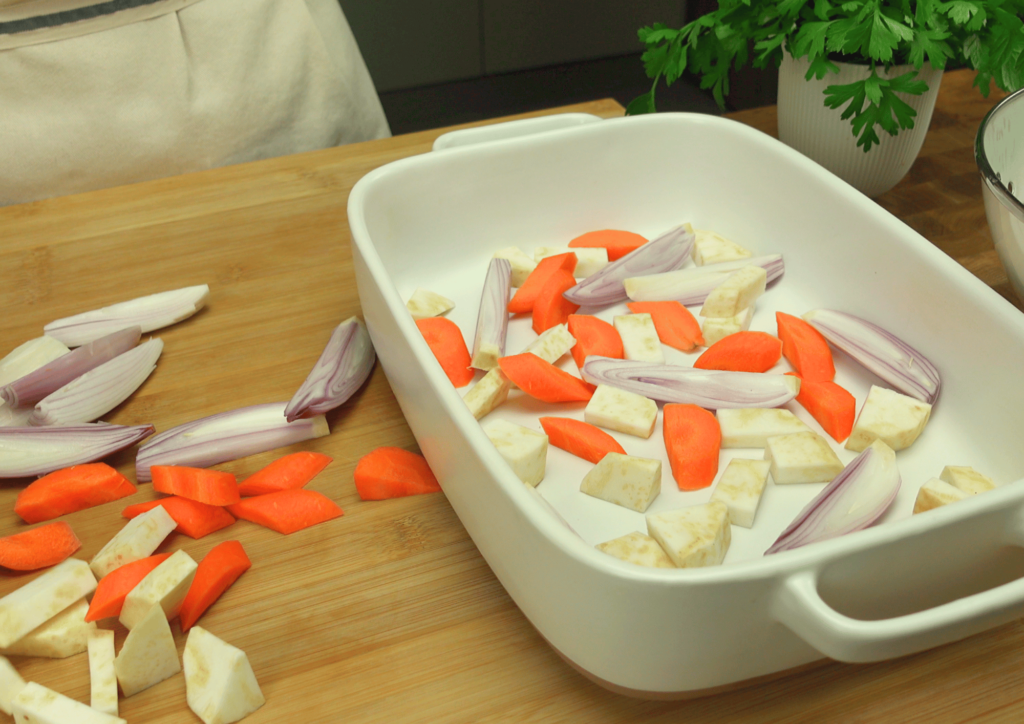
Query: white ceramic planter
(818, 132)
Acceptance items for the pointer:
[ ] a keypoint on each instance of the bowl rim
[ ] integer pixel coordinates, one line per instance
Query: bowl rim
(988, 174)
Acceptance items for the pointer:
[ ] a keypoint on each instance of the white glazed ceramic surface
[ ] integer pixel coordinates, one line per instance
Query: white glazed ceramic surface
(819, 132)
(433, 221)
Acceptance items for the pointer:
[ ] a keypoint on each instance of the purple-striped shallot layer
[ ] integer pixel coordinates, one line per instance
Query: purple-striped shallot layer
(691, 286)
(26, 451)
(492, 319)
(30, 356)
(343, 367)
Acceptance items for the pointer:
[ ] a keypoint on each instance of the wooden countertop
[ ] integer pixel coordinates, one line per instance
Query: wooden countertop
(389, 613)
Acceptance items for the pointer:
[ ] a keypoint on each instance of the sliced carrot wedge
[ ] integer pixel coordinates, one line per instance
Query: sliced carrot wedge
(216, 572)
(522, 301)
(742, 352)
(618, 243)
(194, 519)
(290, 471)
(831, 405)
(445, 340)
(70, 490)
(693, 441)
(212, 487)
(542, 380)
(391, 472)
(805, 348)
(675, 324)
(287, 511)
(108, 598)
(551, 308)
(593, 337)
(39, 547)
(580, 438)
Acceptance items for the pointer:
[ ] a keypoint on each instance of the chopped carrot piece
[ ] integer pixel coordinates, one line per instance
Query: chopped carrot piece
(445, 340)
(618, 243)
(39, 547)
(522, 301)
(593, 336)
(551, 308)
(108, 598)
(742, 352)
(287, 511)
(805, 348)
(216, 572)
(212, 487)
(391, 472)
(541, 379)
(831, 405)
(580, 438)
(290, 471)
(194, 519)
(70, 490)
(675, 324)
(693, 441)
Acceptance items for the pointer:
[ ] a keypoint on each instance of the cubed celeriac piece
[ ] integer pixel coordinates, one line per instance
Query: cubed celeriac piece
(625, 480)
(424, 304)
(740, 488)
(102, 679)
(552, 344)
(622, 411)
(639, 337)
(801, 457)
(148, 655)
(935, 493)
(966, 479)
(637, 548)
(220, 685)
(886, 415)
(525, 450)
(714, 329)
(39, 600)
(165, 586)
(488, 393)
(137, 540)
(10, 684)
(739, 290)
(710, 247)
(66, 634)
(588, 259)
(35, 704)
(693, 537)
(752, 426)
(521, 263)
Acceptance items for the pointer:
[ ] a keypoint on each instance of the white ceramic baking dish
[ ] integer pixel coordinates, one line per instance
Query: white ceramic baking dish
(905, 585)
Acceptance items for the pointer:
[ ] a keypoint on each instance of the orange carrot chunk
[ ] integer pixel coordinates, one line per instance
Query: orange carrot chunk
(216, 572)
(742, 352)
(108, 598)
(580, 438)
(287, 472)
(542, 380)
(39, 547)
(805, 348)
(832, 406)
(675, 324)
(693, 441)
(551, 308)
(618, 243)
(445, 340)
(70, 490)
(522, 301)
(391, 472)
(194, 519)
(593, 336)
(212, 487)
(287, 511)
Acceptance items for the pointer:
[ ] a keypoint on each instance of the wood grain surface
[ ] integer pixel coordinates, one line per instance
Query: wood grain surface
(389, 614)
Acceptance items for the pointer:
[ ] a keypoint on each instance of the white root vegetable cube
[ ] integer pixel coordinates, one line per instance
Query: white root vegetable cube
(39, 600)
(625, 480)
(552, 344)
(102, 679)
(712, 248)
(488, 393)
(525, 450)
(801, 457)
(520, 261)
(165, 586)
(137, 540)
(740, 488)
(148, 655)
(752, 426)
(35, 704)
(639, 549)
(715, 328)
(693, 537)
(639, 337)
(739, 290)
(886, 415)
(66, 634)
(220, 685)
(588, 259)
(11, 684)
(935, 493)
(966, 479)
(622, 411)
(424, 304)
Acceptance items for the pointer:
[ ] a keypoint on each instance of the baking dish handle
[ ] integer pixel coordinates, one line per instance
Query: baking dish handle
(511, 129)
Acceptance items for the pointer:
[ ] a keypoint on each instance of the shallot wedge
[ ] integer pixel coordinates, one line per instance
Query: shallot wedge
(11, 417)
(149, 313)
(343, 367)
(30, 356)
(668, 252)
(99, 390)
(492, 319)
(692, 285)
(30, 389)
(711, 389)
(28, 451)
(880, 351)
(226, 436)
(855, 499)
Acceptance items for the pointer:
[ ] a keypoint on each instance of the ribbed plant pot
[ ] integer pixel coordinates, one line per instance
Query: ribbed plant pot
(818, 132)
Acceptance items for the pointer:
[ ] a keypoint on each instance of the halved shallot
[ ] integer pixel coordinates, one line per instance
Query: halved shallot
(492, 319)
(29, 357)
(26, 451)
(692, 285)
(343, 367)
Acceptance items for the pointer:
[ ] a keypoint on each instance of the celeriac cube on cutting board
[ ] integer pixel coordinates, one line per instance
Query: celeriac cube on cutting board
(220, 685)
(148, 655)
(165, 586)
(42, 598)
(136, 540)
(35, 704)
(66, 634)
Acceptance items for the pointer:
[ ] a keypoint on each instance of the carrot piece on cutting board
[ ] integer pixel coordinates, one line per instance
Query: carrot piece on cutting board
(693, 441)
(742, 352)
(391, 472)
(593, 336)
(70, 490)
(287, 472)
(445, 340)
(108, 598)
(216, 572)
(212, 487)
(551, 308)
(39, 547)
(580, 438)
(675, 324)
(618, 243)
(805, 348)
(540, 379)
(287, 511)
(522, 301)
(831, 405)
(194, 519)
